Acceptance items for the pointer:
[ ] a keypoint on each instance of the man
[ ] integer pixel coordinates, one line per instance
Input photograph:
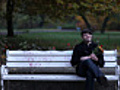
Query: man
(83, 58)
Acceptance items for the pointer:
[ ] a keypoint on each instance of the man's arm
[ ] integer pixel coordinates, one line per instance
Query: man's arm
(85, 58)
(75, 56)
(92, 56)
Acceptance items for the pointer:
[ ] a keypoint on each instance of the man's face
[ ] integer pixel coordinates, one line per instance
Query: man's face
(87, 37)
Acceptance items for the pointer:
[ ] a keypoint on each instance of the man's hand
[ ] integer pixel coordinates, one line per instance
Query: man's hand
(94, 57)
(85, 58)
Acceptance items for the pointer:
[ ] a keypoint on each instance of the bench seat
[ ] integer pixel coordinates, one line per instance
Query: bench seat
(51, 77)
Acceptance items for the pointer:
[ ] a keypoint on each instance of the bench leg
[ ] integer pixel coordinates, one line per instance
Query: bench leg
(2, 85)
(118, 85)
(118, 78)
(8, 85)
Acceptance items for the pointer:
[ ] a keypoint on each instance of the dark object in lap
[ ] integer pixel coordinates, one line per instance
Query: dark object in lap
(100, 61)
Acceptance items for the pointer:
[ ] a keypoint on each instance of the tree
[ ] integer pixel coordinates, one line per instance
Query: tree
(100, 8)
(9, 17)
(60, 9)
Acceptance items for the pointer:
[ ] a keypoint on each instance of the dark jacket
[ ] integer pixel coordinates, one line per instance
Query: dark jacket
(80, 50)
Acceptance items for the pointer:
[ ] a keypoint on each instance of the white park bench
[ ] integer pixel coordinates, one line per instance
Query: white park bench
(48, 59)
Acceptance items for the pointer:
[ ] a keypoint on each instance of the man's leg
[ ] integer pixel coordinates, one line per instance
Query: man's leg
(83, 71)
(86, 65)
(97, 72)
(89, 81)
(89, 64)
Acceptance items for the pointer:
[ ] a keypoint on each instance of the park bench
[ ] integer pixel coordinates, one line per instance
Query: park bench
(49, 59)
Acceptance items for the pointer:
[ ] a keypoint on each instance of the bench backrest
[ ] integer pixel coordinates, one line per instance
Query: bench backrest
(50, 58)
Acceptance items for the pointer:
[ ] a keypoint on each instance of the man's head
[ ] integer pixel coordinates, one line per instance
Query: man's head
(86, 35)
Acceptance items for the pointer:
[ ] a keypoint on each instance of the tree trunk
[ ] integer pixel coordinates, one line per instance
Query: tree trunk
(104, 24)
(9, 17)
(42, 22)
(86, 21)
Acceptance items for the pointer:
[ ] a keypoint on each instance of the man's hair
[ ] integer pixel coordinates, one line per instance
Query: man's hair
(86, 31)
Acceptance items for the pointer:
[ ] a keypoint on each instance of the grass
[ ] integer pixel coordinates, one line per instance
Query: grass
(57, 39)
(109, 40)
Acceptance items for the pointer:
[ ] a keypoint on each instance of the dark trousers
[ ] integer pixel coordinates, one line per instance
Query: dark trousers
(89, 70)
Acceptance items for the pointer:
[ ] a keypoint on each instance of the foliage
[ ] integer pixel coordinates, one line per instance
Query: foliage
(59, 9)
(56, 10)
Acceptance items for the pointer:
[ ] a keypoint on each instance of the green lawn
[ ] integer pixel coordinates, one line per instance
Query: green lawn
(109, 40)
(57, 39)
(60, 39)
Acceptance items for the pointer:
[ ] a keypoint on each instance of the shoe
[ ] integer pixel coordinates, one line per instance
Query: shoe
(103, 81)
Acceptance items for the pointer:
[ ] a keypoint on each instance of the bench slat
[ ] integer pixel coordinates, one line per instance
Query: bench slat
(110, 52)
(51, 77)
(49, 64)
(68, 52)
(37, 64)
(110, 58)
(40, 58)
(48, 58)
(39, 53)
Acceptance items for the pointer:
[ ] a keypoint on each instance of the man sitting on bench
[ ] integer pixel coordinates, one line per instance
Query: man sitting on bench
(83, 58)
